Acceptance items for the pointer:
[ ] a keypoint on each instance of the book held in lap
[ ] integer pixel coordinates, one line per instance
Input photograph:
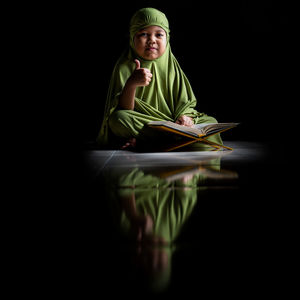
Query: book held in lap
(196, 131)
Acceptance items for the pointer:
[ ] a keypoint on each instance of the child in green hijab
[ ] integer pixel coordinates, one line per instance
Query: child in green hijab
(147, 84)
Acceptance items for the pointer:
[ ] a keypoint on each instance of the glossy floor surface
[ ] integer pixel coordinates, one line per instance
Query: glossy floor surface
(165, 224)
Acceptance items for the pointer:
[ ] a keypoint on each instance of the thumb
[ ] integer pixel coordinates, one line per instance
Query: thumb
(138, 64)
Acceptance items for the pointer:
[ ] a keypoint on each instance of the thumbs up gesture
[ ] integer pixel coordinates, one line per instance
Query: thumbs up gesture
(138, 64)
(140, 76)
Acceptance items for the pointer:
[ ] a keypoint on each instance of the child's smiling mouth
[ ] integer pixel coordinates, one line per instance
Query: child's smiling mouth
(151, 49)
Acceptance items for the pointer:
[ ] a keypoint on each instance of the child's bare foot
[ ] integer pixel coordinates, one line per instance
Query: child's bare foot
(131, 143)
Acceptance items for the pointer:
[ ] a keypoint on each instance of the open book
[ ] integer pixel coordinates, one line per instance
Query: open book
(197, 131)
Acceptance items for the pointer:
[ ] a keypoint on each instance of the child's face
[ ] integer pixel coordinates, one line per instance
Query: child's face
(150, 43)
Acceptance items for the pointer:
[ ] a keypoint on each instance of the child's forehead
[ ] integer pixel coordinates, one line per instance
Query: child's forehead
(152, 28)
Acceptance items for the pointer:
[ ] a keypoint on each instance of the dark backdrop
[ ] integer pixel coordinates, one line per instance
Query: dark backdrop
(237, 57)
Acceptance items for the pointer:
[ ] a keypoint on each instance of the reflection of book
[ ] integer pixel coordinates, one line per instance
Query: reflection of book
(198, 132)
(171, 174)
(207, 174)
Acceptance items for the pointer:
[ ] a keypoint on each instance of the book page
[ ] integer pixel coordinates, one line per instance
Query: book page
(198, 130)
(189, 130)
(216, 127)
(199, 126)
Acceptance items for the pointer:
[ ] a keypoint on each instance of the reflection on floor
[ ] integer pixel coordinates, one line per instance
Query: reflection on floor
(166, 223)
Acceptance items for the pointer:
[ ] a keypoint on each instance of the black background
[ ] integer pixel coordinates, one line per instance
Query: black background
(238, 57)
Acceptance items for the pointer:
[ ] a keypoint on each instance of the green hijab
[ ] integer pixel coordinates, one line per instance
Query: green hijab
(168, 96)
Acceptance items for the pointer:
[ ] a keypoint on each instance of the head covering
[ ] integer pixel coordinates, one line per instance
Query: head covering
(146, 17)
(168, 96)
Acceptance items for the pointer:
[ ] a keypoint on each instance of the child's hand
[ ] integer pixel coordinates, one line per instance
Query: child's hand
(140, 76)
(185, 120)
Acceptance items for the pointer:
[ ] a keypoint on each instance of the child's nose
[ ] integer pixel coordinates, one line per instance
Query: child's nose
(152, 37)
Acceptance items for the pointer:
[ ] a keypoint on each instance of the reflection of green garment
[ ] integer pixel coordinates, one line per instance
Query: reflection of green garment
(169, 209)
(168, 96)
(168, 206)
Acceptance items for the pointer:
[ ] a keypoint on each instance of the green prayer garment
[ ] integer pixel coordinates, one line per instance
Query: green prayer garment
(168, 96)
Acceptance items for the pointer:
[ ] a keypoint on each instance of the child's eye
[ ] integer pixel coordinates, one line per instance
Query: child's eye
(143, 34)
